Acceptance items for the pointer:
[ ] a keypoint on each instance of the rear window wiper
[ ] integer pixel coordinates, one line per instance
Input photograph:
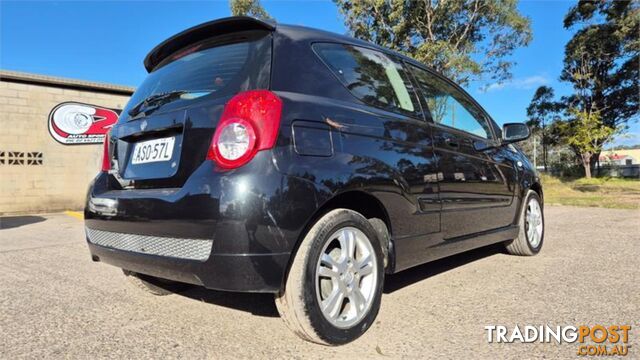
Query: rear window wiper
(156, 100)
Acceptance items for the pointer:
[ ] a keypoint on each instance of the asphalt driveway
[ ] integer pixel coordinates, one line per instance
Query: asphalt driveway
(54, 302)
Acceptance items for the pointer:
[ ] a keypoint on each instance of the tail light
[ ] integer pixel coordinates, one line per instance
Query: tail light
(106, 162)
(249, 123)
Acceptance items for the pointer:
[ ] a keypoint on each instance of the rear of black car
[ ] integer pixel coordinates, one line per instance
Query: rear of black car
(178, 196)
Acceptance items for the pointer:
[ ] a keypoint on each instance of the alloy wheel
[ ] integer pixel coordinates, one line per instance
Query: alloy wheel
(534, 223)
(346, 277)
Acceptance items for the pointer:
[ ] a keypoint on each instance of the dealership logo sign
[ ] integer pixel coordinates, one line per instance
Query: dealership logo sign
(592, 340)
(73, 123)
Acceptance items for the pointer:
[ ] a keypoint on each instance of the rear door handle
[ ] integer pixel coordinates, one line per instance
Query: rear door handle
(451, 142)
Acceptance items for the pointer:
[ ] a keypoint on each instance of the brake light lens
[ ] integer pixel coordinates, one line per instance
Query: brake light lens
(249, 123)
(106, 162)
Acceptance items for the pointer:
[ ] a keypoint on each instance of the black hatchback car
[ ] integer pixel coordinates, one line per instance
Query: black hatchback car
(273, 158)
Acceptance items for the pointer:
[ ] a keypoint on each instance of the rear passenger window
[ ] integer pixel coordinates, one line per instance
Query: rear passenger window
(371, 76)
(448, 106)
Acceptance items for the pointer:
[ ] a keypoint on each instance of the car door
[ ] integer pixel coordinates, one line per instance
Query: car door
(386, 143)
(476, 184)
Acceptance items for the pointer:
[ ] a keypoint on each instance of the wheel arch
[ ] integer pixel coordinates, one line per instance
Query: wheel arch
(537, 187)
(359, 201)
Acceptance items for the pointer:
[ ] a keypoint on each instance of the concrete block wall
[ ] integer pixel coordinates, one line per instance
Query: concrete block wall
(60, 183)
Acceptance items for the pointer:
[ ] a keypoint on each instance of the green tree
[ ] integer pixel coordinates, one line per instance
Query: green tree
(463, 39)
(586, 134)
(582, 128)
(601, 60)
(542, 110)
(251, 8)
(602, 64)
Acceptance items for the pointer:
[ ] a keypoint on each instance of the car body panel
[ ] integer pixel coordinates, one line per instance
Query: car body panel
(330, 145)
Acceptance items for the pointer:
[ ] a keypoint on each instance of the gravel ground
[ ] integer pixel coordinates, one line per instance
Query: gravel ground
(54, 302)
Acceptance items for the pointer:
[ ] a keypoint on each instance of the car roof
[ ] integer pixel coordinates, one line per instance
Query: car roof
(303, 33)
(242, 23)
(294, 32)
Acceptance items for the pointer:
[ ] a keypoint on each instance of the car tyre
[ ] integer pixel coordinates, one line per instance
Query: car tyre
(153, 285)
(531, 227)
(334, 287)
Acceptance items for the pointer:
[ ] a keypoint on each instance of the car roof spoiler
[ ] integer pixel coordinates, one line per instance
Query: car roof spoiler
(199, 32)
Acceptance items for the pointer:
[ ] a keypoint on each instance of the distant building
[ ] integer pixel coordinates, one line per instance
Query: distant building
(620, 157)
(51, 130)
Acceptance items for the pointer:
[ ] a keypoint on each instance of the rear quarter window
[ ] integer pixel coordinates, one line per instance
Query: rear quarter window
(371, 76)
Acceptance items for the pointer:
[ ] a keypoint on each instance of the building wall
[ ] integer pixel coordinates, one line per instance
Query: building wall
(61, 181)
(633, 153)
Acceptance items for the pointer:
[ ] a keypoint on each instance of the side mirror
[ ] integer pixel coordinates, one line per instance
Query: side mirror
(514, 132)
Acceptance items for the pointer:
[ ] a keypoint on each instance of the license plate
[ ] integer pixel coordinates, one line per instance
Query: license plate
(153, 150)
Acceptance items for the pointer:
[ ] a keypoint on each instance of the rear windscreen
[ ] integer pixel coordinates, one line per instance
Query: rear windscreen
(211, 68)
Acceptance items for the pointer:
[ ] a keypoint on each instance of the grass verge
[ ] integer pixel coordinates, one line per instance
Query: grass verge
(596, 192)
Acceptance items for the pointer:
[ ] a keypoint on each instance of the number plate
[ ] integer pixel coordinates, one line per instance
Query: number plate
(153, 151)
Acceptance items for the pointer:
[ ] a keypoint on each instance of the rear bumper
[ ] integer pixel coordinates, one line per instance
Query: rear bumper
(246, 220)
(240, 272)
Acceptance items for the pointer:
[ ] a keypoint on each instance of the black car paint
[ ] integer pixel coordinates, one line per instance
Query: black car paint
(331, 150)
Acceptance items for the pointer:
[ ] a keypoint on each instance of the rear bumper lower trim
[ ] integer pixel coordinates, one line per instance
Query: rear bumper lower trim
(229, 272)
(180, 248)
